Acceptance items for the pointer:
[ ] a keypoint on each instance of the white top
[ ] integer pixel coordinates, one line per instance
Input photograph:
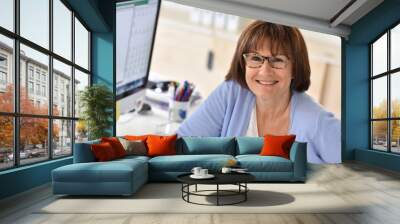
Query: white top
(252, 130)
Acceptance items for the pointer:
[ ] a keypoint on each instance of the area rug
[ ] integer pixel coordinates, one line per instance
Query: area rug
(167, 198)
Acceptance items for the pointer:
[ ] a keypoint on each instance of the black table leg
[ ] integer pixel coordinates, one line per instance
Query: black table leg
(245, 193)
(196, 188)
(217, 194)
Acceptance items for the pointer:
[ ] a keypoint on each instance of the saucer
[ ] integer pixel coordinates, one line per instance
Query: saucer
(208, 176)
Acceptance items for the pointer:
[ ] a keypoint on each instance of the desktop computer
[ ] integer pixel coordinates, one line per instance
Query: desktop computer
(136, 23)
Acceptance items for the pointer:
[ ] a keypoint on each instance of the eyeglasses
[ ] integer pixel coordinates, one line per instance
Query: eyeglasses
(254, 60)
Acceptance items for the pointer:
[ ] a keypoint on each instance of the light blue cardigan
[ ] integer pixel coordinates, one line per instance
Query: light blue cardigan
(227, 111)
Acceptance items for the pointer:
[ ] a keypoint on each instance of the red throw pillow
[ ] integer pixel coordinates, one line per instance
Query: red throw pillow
(103, 151)
(116, 145)
(161, 145)
(277, 145)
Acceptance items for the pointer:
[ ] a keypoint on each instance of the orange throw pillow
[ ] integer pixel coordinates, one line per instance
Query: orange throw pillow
(116, 145)
(161, 145)
(103, 151)
(136, 137)
(277, 145)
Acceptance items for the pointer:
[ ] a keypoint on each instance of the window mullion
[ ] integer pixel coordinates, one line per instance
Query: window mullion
(50, 81)
(73, 82)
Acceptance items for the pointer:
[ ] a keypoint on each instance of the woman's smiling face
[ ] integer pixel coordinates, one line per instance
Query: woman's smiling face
(267, 82)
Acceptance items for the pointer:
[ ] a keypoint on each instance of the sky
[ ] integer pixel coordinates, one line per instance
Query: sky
(35, 27)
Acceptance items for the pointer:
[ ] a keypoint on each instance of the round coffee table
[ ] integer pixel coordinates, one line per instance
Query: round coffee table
(238, 179)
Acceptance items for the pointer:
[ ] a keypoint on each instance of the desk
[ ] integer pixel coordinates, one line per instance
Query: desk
(154, 121)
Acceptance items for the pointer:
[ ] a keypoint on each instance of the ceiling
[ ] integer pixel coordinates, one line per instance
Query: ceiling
(326, 16)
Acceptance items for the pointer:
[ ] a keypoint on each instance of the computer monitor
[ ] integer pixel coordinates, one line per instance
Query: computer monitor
(136, 23)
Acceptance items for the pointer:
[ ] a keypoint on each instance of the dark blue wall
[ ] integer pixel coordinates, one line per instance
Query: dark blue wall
(98, 15)
(355, 58)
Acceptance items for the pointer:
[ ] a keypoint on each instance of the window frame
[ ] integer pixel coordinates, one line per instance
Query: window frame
(16, 114)
(388, 74)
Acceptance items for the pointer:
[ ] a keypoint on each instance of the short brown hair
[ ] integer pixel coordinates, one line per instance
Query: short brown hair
(285, 38)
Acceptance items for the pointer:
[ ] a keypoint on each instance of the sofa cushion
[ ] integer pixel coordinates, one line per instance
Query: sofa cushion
(161, 145)
(103, 151)
(116, 145)
(134, 147)
(277, 145)
(249, 145)
(257, 163)
(206, 145)
(111, 171)
(185, 163)
(83, 152)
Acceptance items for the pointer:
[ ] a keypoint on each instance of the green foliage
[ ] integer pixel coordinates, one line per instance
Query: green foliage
(97, 103)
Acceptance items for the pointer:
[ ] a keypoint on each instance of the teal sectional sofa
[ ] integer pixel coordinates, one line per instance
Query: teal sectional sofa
(125, 176)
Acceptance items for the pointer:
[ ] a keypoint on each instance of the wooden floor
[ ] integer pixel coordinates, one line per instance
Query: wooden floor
(378, 188)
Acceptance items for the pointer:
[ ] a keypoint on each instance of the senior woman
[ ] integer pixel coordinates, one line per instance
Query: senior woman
(264, 94)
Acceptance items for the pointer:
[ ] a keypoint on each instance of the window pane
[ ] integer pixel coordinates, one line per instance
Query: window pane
(62, 29)
(81, 45)
(62, 141)
(379, 135)
(395, 47)
(395, 136)
(35, 21)
(6, 142)
(33, 139)
(62, 89)
(395, 94)
(379, 55)
(6, 74)
(34, 78)
(7, 14)
(81, 81)
(81, 131)
(379, 100)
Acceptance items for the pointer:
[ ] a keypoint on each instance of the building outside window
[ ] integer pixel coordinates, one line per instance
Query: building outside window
(34, 81)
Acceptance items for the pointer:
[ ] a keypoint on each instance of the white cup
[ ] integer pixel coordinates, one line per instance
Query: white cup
(226, 170)
(203, 172)
(196, 170)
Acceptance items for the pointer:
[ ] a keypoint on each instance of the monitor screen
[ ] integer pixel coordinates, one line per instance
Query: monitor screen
(136, 23)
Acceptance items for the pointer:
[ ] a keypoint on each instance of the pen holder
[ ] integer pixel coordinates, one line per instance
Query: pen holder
(177, 110)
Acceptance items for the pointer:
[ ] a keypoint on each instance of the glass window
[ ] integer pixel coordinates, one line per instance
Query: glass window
(379, 97)
(379, 135)
(62, 29)
(30, 87)
(40, 61)
(6, 142)
(37, 89)
(7, 14)
(81, 131)
(395, 95)
(3, 61)
(395, 136)
(7, 74)
(30, 71)
(34, 21)
(62, 72)
(43, 90)
(81, 45)
(395, 47)
(81, 81)
(379, 55)
(62, 138)
(33, 139)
